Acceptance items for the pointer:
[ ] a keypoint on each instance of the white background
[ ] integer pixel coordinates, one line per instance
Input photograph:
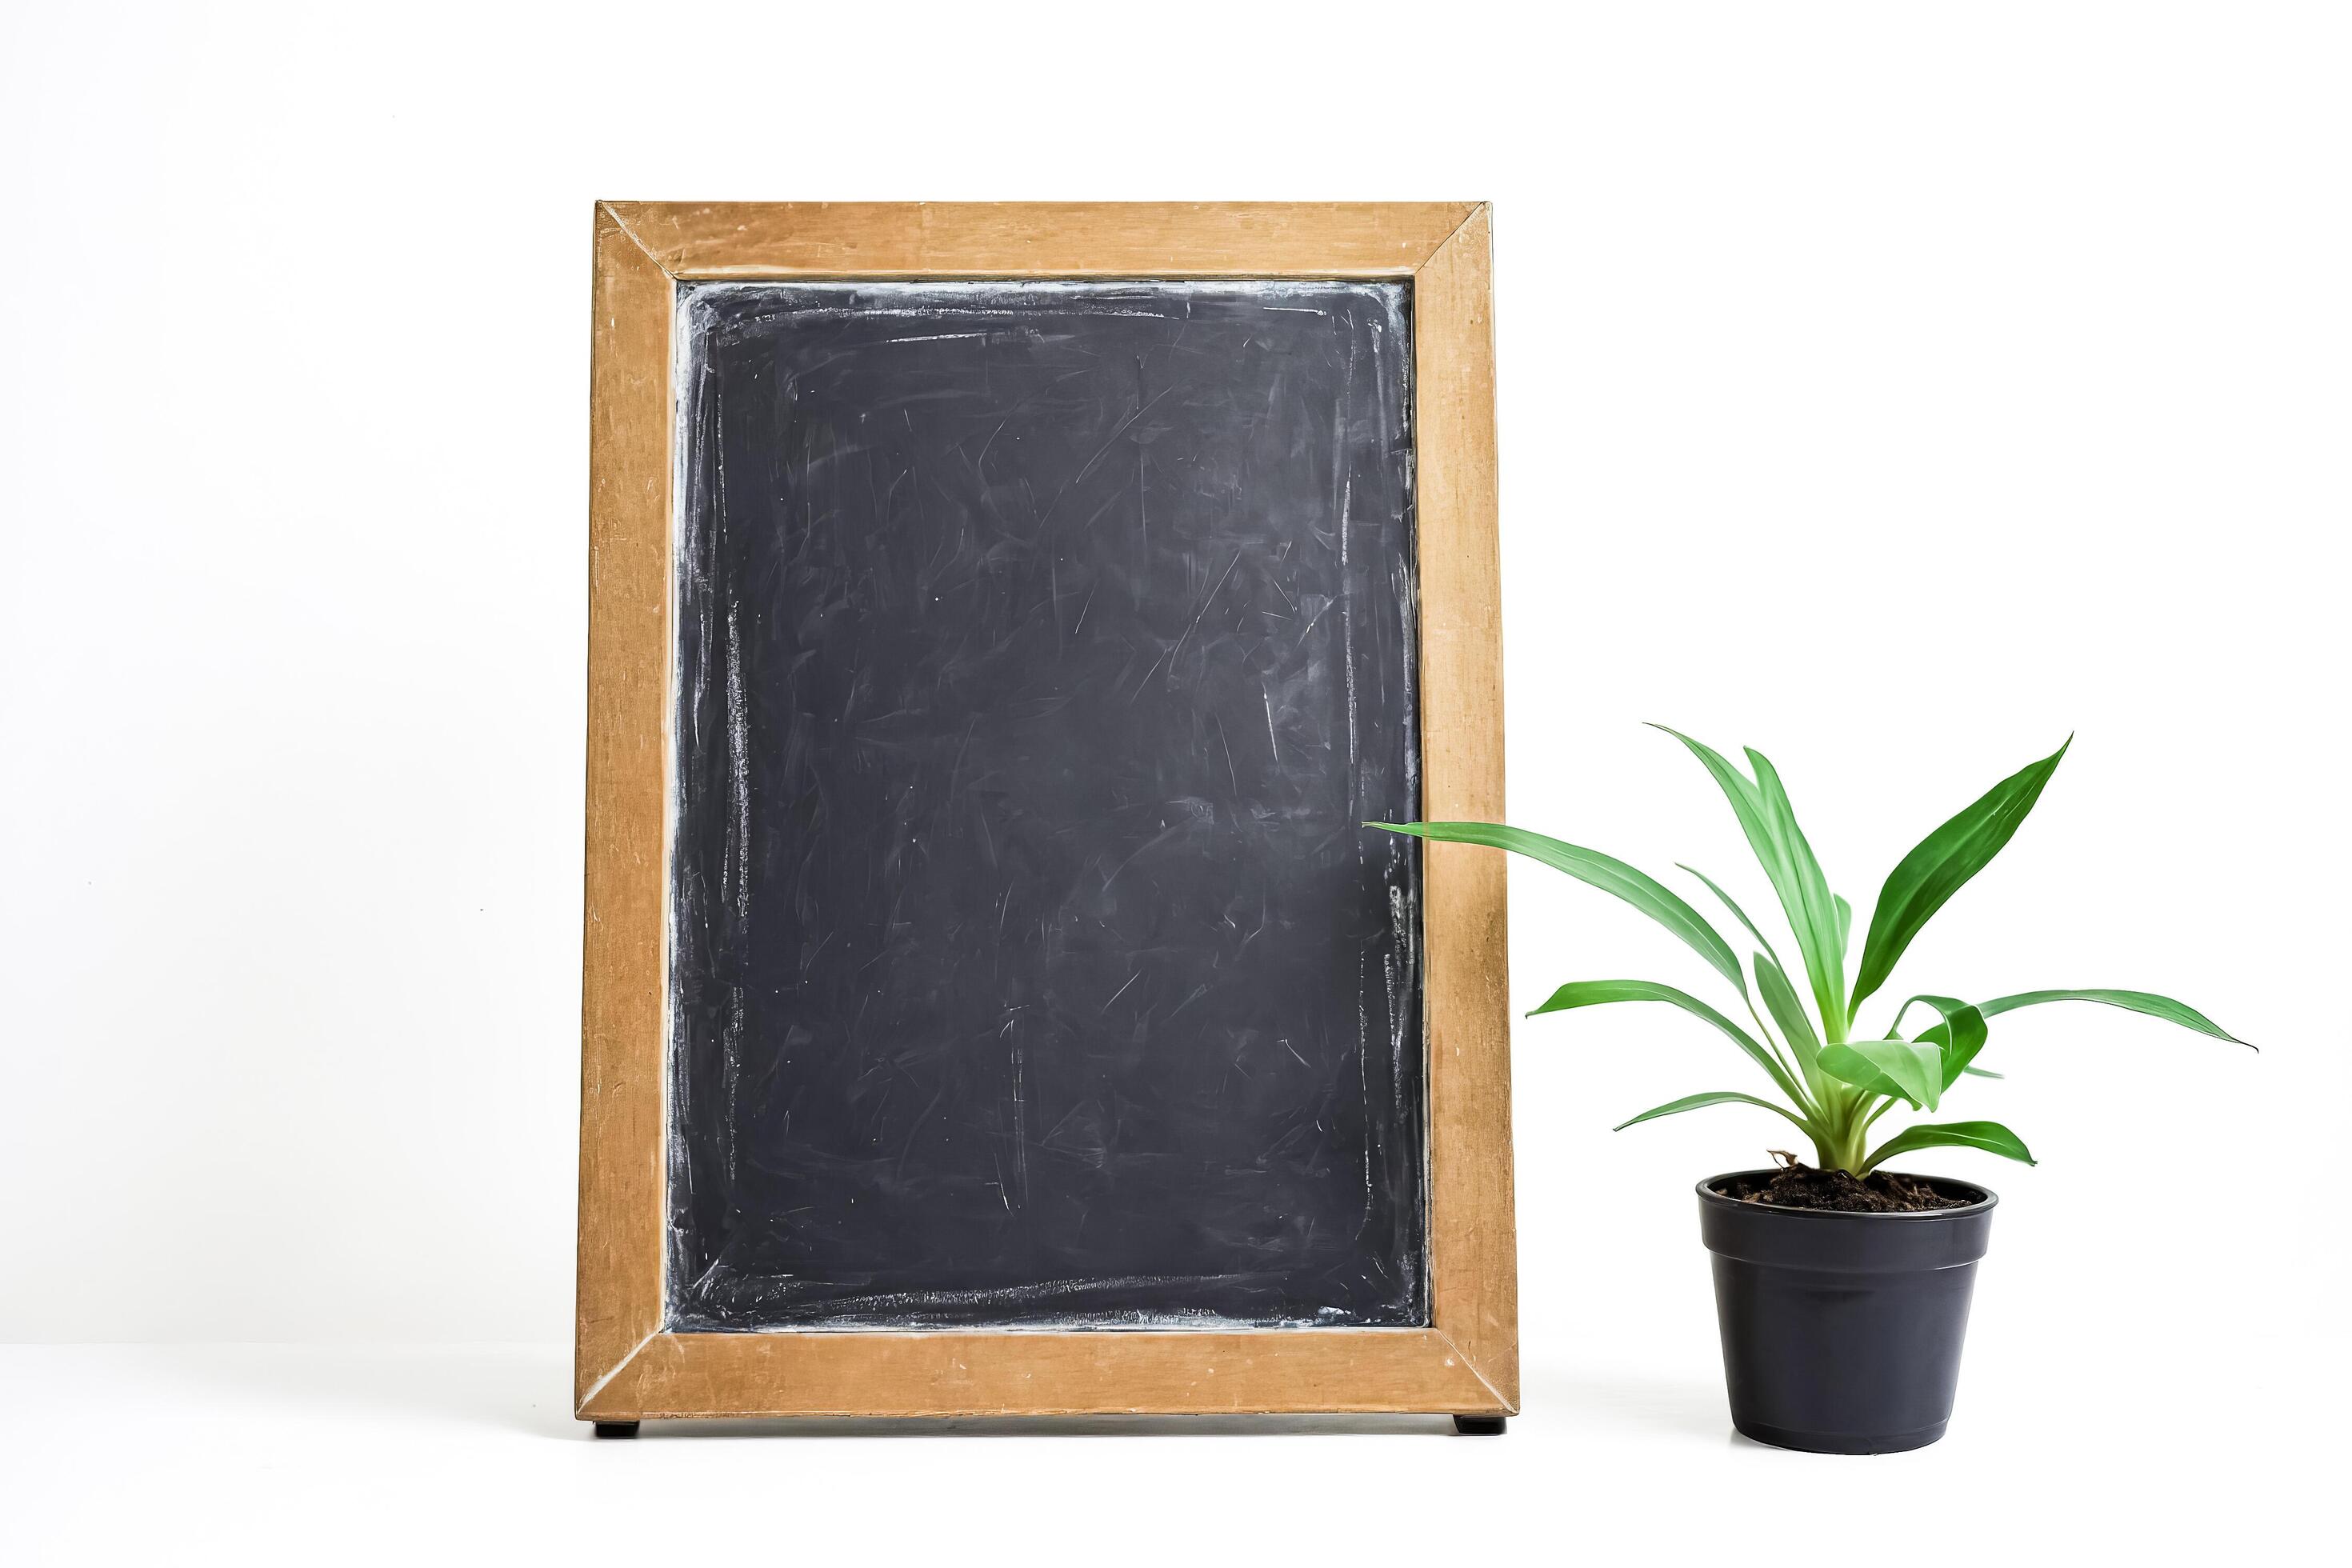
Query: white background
(1894, 388)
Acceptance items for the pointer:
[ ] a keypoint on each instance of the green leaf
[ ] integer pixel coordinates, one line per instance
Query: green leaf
(2146, 1001)
(1989, 1136)
(1780, 1001)
(1846, 925)
(1652, 897)
(1851, 1067)
(1720, 1096)
(1813, 914)
(1942, 865)
(1593, 992)
(1782, 850)
(1979, 1072)
(1737, 913)
(1747, 804)
(1956, 1039)
(1913, 1072)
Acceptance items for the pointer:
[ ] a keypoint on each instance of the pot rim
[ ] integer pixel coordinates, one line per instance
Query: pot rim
(1983, 1204)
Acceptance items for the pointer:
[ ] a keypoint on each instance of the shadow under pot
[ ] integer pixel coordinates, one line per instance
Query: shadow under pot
(1841, 1332)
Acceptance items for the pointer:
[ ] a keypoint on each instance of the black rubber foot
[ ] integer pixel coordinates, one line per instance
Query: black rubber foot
(1479, 1426)
(616, 1428)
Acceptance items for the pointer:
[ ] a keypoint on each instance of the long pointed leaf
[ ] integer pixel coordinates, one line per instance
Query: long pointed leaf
(1767, 836)
(1989, 1136)
(1942, 864)
(1646, 894)
(1594, 993)
(1737, 913)
(1747, 804)
(1780, 1001)
(1888, 1067)
(2146, 1002)
(1814, 913)
(1846, 925)
(1720, 1096)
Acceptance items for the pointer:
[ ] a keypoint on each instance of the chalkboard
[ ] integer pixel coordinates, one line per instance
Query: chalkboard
(1040, 649)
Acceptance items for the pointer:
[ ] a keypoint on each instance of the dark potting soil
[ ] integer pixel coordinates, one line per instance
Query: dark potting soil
(1799, 1186)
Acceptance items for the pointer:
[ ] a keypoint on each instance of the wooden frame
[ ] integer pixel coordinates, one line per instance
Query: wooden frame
(626, 1366)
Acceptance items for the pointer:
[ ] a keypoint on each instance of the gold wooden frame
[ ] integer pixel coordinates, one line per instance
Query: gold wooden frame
(625, 1365)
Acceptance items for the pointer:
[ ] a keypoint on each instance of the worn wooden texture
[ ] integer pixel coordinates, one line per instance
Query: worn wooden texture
(628, 695)
(1032, 239)
(1468, 1361)
(1473, 1237)
(1105, 1372)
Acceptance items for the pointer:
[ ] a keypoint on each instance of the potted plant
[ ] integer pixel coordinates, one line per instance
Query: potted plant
(1841, 1288)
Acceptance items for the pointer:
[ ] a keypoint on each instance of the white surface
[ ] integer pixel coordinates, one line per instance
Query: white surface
(1896, 389)
(323, 1454)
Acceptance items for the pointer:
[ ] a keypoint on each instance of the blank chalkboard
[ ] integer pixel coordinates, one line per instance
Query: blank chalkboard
(1040, 649)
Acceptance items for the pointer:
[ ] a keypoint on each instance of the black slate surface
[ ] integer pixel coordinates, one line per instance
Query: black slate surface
(1041, 648)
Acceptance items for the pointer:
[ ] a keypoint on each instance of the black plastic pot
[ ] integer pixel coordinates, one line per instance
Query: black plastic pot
(1841, 1331)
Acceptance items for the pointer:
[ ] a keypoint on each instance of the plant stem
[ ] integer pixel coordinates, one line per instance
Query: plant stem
(1841, 1140)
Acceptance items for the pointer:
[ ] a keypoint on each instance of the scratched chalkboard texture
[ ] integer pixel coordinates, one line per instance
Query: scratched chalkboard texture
(1040, 648)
